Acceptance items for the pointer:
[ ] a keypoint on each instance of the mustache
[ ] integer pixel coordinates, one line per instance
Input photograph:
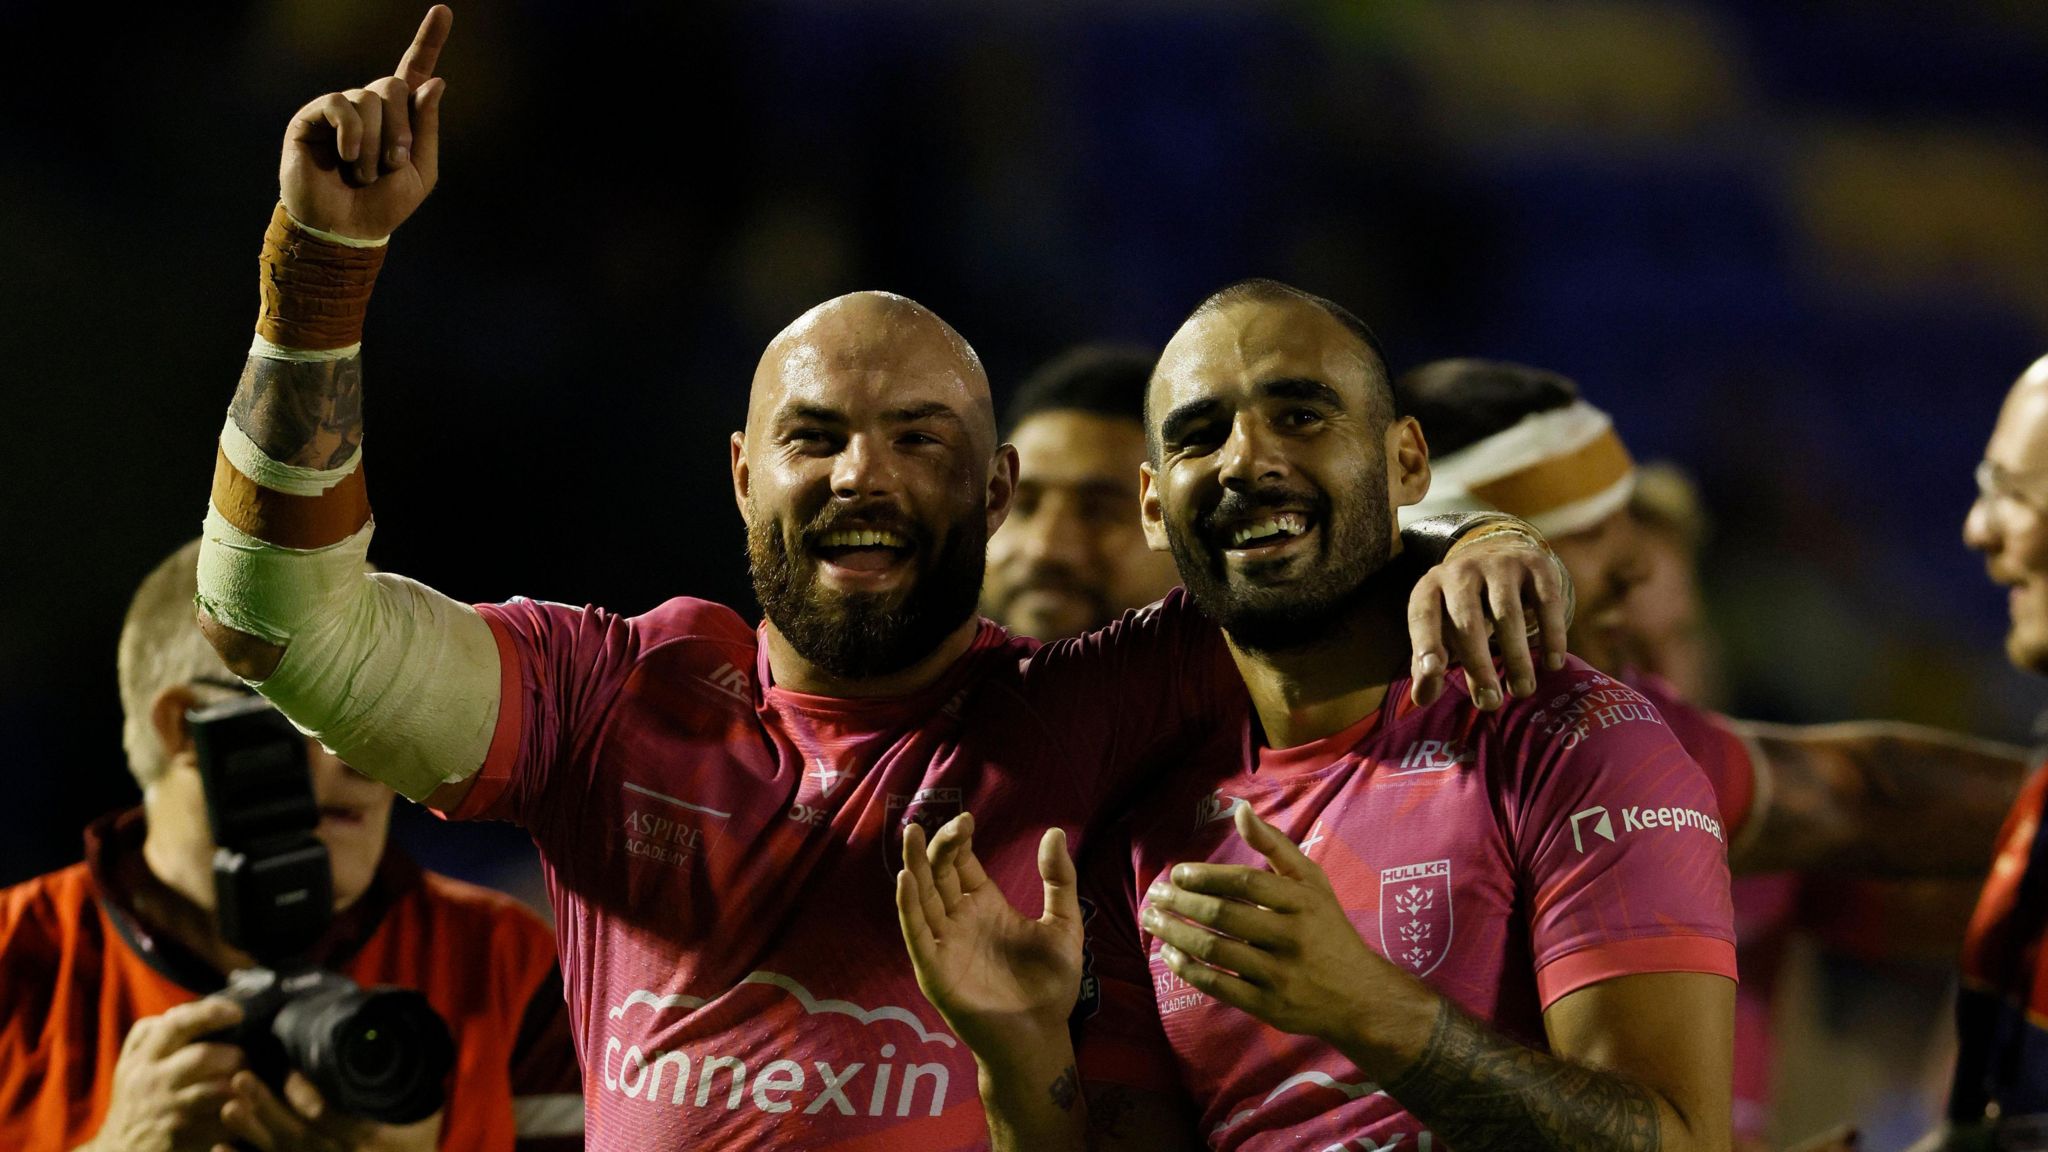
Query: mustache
(1237, 507)
(872, 517)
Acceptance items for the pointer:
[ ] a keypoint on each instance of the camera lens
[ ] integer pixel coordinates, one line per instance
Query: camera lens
(381, 1052)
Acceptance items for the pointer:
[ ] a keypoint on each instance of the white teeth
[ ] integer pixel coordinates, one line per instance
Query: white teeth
(1291, 523)
(862, 538)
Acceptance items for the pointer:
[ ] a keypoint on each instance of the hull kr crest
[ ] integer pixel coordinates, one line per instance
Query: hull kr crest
(1415, 915)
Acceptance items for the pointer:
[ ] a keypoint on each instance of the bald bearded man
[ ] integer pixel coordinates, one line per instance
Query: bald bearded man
(719, 809)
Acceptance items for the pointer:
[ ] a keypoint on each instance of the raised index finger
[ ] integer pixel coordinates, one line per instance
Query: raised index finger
(417, 66)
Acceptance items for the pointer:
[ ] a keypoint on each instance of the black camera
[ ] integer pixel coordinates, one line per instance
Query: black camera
(382, 1053)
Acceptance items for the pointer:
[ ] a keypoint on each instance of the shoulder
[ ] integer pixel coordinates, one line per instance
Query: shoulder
(1170, 627)
(453, 925)
(677, 618)
(46, 924)
(464, 907)
(1582, 726)
(1572, 704)
(42, 913)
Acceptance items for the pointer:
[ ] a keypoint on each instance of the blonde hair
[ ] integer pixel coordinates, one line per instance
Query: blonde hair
(161, 647)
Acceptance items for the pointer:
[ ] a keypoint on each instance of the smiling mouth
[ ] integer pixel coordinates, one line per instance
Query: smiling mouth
(862, 549)
(1266, 534)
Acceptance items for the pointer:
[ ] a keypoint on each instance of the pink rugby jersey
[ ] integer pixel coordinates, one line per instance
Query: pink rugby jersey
(1505, 859)
(721, 853)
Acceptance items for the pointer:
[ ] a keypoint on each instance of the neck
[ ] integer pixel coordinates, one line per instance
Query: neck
(797, 674)
(1320, 688)
(184, 865)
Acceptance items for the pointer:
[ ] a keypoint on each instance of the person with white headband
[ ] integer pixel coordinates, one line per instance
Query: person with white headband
(1875, 797)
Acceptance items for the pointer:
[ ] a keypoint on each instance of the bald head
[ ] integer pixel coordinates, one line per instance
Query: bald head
(873, 340)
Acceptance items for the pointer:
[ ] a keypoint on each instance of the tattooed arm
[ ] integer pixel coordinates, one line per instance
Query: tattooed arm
(1639, 1064)
(1877, 797)
(310, 415)
(400, 680)
(1636, 1063)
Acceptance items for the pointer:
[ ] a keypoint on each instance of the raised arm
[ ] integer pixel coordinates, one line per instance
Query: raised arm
(1876, 797)
(399, 680)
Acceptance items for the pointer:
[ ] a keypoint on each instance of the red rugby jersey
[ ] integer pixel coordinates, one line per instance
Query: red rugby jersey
(1506, 859)
(721, 852)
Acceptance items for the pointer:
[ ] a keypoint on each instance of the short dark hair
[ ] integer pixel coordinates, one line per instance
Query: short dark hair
(1101, 379)
(1461, 402)
(1259, 290)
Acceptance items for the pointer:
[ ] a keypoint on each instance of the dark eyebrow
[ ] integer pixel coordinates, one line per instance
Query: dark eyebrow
(1178, 421)
(929, 410)
(797, 411)
(1300, 388)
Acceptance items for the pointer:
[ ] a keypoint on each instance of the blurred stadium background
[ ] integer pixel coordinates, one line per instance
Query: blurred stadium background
(1798, 246)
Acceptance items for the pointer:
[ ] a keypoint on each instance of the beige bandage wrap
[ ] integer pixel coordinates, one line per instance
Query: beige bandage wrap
(1563, 471)
(315, 289)
(395, 678)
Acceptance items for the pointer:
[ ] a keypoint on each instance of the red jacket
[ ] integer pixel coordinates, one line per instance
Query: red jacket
(78, 967)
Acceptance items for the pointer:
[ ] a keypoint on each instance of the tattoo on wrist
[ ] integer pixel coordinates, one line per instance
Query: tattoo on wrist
(1480, 1091)
(1066, 1089)
(308, 414)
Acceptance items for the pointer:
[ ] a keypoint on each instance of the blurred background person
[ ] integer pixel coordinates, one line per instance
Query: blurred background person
(2000, 1093)
(103, 965)
(1072, 556)
(1866, 798)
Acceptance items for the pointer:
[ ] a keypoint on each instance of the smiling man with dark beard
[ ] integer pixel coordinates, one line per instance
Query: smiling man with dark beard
(1374, 922)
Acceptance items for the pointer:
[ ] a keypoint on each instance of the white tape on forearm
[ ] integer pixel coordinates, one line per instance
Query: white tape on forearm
(397, 679)
(268, 351)
(252, 461)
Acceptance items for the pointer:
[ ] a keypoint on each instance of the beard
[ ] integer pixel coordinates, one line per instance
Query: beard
(1277, 617)
(854, 636)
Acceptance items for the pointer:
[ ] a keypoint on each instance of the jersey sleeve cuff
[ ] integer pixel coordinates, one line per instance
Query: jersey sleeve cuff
(485, 798)
(1587, 966)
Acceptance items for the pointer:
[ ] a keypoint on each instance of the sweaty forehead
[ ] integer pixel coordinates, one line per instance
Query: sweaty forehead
(867, 353)
(1240, 344)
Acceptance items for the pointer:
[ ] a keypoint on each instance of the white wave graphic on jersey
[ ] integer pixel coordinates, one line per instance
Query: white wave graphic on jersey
(1321, 1079)
(811, 1005)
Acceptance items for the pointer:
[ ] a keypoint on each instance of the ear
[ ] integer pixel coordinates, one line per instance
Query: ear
(1407, 462)
(167, 718)
(1002, 485)
(1151, 510)
(740, 477)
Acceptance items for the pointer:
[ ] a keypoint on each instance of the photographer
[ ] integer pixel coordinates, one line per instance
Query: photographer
(107, 967)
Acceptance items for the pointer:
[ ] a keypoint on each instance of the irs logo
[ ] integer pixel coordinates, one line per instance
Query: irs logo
(1215, 806)
(1415, 915)
(929, 808)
